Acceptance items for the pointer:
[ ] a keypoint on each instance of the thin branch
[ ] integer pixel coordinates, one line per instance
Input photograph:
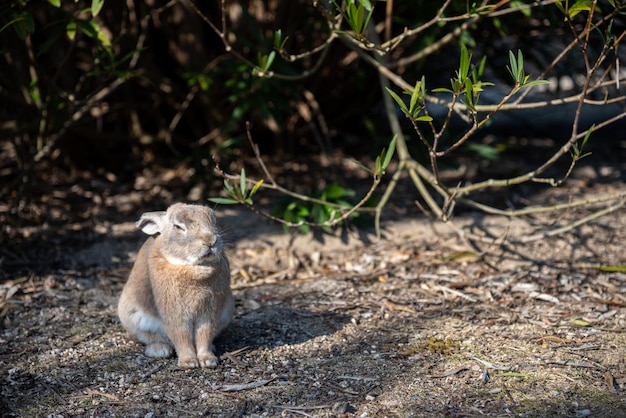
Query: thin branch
(420, 175)
(541, 209)
(477, 124)
(388, 19)
(520, 7)
(436, 46)
(193, 91)
(321, 47)
(392, 43)
(273, 185)
(261, 74)
(534, 174)
(574, 225)
(386, 195)
(345, 214)
(403, 151)
(257, 154)
(565, 51)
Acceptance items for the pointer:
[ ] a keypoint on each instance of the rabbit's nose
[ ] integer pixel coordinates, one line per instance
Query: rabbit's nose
(209, 239)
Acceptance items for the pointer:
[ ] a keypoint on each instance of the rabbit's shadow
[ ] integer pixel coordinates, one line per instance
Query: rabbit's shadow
(275, 326)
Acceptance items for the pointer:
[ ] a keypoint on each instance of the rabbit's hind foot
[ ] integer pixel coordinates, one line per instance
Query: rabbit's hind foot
(159, 350)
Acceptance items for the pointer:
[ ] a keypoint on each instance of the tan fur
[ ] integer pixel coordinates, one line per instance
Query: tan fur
(178, 292)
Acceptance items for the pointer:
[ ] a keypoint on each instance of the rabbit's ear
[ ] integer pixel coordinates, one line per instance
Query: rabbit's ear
(212, 216)
(151, 222)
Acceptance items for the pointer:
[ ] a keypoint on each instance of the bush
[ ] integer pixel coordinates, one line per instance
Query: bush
(434, 76)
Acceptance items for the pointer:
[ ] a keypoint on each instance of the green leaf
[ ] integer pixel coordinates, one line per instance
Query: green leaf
(579, 6)
(559, 5)
(204, 83)
(535, 83)
(228, 188)
(612, 269)
(256, 187)
(361, 165)
(423, 118)
(355, 15)
(457, 86)
(378, 168)
(242, 182)
(481, 67)
(295, 212)
(465, 63)
(578, 149)
(398, 100)
(526, 11)
(55, 3)
(223, 201)
(486, 9)
(320, 214)
(33, 91)
(417, 97)
(270, 60)
(414, 96)
(96, 6)
(52, 38)
(279, 42)
(333, 192)
(278, 36)
(369, 17)
(469, 93)
(344, 204)
(70, 30)
(389, 153)
(359, 22)
(484, 151)
(104, 40)
(587, 136)
(366, 4)
(581, 323)
(89, 27)
(513, 66)
(349, 15)
(93, 30)
(17, 23)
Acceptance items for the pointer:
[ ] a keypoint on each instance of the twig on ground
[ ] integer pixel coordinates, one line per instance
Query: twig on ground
(446, 289)
(301, 408)
(575, 224)
(242, 386)
(491, 365)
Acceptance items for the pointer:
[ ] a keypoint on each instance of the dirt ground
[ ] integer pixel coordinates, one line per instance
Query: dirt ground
(412, 325)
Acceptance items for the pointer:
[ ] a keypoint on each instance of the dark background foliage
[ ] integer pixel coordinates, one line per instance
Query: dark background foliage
(152, 111)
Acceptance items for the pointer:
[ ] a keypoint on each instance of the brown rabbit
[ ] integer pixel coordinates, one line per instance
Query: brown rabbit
(178, 294)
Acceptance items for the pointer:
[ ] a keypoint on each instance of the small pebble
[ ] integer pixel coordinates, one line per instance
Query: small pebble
(340, 408)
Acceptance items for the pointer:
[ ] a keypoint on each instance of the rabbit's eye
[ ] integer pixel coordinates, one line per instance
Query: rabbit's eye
(180, 227)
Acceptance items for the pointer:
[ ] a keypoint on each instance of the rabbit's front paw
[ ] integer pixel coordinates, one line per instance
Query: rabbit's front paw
(207, 360)
(159, 350)
(188, 363)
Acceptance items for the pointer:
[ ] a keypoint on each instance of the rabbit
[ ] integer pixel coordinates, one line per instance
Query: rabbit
(178, 294)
